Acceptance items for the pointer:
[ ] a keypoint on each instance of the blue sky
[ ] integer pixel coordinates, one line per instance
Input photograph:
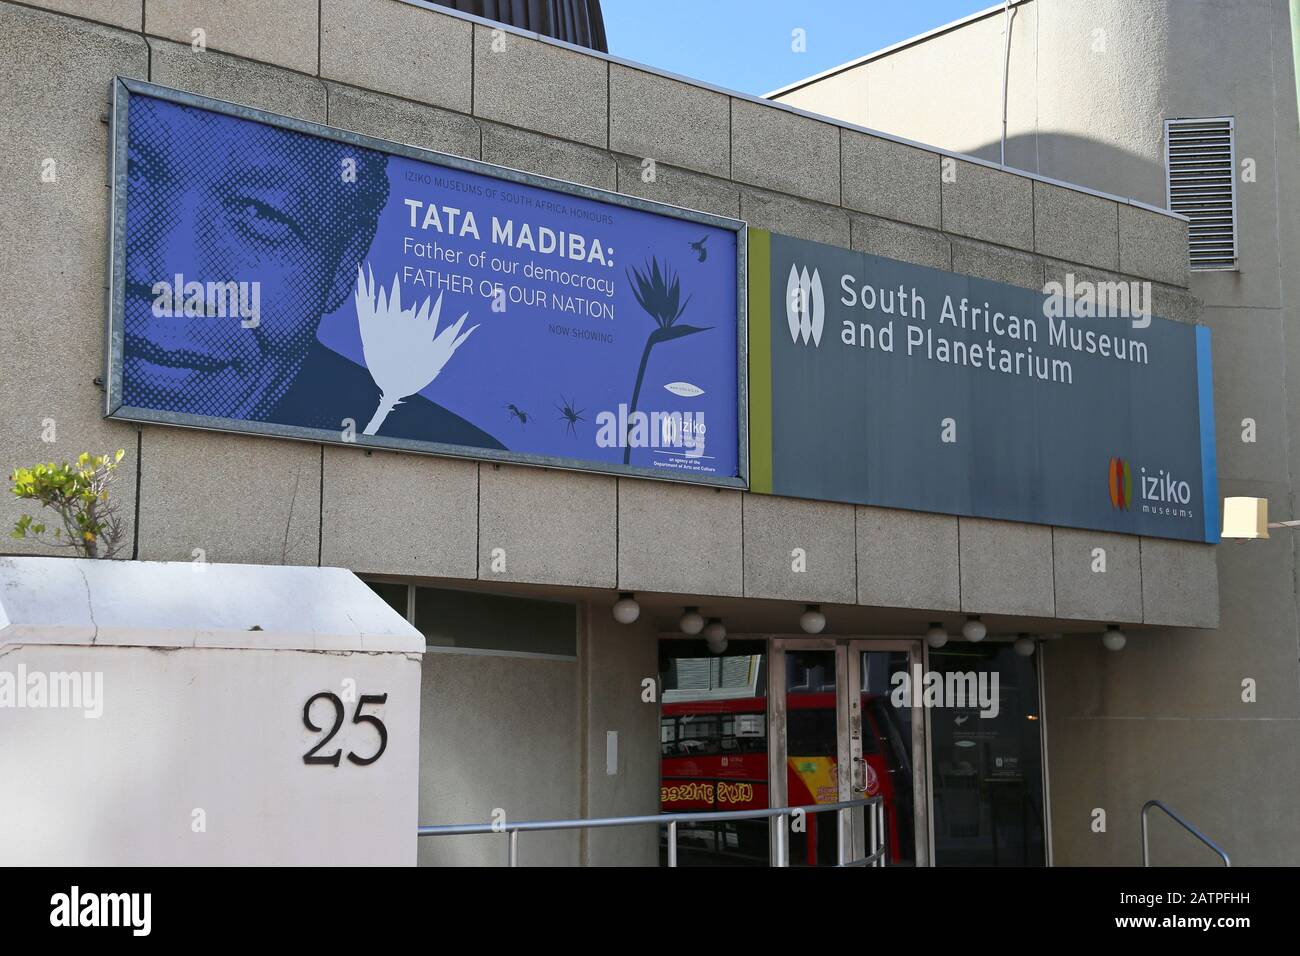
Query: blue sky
(745, 45)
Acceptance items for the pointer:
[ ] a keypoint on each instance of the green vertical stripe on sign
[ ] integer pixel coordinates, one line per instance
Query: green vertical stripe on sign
(760, 361)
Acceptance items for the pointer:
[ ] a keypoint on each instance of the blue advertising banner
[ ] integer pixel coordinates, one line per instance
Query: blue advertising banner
(274, 276)
(879, 382)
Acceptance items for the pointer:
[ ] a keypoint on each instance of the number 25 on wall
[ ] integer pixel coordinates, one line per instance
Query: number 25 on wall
(313, 757)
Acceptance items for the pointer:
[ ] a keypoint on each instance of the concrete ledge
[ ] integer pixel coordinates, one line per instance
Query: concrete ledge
(1153, 246)
(387, 513)
(907, 559)
(1006, 568)
(894, 240)
(679, 538)
(774, 527)
(547, 156)
(79, 601)
(553, 527)
(1082, 593)
(998, 264)
(800, 218)
(679, 187)
(1180, 583)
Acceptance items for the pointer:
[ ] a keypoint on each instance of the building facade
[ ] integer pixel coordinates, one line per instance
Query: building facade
(1095, 94)
(535, 700)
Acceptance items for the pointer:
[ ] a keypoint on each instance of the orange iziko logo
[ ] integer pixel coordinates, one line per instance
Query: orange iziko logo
(1121, 484)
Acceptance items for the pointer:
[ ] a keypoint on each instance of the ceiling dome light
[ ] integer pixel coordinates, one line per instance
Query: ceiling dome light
(812, 620)
(974, 630)
(715, 635)
(1025, 645)
(691, 622)
(1114, 638)
(626, 610)
(936, 636)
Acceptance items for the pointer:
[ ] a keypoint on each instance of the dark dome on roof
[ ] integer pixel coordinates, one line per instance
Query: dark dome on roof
(575, 21)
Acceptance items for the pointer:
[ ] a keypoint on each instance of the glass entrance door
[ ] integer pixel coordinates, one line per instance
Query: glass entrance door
(887, 744)
(836, 736)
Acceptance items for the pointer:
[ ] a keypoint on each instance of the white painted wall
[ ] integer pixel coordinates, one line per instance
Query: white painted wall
(191, 750)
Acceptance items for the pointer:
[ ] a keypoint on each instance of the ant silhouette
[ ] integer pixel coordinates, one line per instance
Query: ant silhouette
(699, 250)
(570, 415)
(517, 412)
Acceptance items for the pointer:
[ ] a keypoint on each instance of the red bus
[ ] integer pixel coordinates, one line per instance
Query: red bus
(714, 757)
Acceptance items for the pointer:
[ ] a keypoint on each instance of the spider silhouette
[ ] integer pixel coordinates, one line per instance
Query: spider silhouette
(517, 412)
(570, 415)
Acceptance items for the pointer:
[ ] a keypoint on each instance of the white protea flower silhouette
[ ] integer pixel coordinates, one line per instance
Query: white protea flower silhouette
(401, 349)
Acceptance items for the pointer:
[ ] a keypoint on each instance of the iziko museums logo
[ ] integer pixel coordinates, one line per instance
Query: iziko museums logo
(1159, 491)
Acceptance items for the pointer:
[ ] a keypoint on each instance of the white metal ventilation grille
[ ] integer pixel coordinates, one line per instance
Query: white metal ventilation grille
(1201, 164)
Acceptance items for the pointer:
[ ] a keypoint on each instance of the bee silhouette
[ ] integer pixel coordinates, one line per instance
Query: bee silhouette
(517, 412)
(570, 415)
(698, 248)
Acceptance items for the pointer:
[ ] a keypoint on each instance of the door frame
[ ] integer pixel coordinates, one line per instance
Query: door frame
(848, 722)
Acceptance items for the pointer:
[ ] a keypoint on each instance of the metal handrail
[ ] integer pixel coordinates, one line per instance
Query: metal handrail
(876, 834)
(1146, 853)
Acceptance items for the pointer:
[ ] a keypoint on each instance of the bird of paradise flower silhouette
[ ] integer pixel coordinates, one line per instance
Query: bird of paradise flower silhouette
(659, 292)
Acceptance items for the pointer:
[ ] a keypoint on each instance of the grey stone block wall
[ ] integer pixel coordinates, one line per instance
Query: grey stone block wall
(540, 86)
(388, 513)
(548, 156)
(988, 204)
(403, 121)
(397, 48)
(285, 32)
(890, 180)
(1076, 226)
(226, 77)
(782, 151)
(678, 187)
(1152, 246)
(653, 117)
(1180, 583)
(127, 14)
(228, 498)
